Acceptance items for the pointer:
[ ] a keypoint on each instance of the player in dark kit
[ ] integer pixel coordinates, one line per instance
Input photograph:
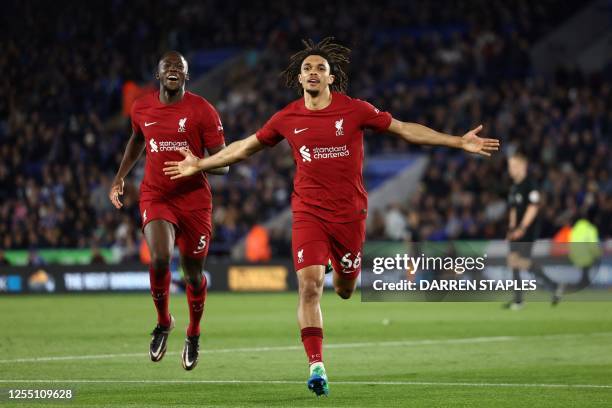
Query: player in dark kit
(329, 202)
(524, 227)
(164, 123)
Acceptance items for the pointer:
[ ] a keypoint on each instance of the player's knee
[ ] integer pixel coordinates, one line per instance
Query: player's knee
(194, 281)
(344, 293)
(160, 261)
(310, 290)
(310, 295)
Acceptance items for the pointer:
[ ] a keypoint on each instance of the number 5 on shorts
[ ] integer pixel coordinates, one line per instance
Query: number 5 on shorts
(201, 244)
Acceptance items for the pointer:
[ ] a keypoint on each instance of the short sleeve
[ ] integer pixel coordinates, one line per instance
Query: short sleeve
(213, 135)
(133, 118)
(534, 196)
(269, 134)
(372, 118)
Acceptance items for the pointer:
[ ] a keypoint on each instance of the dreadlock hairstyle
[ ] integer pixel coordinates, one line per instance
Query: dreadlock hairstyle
(336, 55)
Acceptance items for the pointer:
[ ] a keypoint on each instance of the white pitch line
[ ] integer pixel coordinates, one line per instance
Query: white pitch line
(413, 383)
(85, 357)
(400, 343)
(273, 348)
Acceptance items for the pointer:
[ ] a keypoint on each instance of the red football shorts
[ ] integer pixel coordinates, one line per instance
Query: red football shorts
(316, 241)
(193, 228)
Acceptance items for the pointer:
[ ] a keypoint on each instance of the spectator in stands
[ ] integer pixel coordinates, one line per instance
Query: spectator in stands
(395, 223)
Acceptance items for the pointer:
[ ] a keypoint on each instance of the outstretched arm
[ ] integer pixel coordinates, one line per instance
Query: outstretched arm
(133, 151)
(235, 152)
(419, 134)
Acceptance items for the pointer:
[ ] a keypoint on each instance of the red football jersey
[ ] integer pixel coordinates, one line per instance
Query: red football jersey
(327, 146)
(191, 123)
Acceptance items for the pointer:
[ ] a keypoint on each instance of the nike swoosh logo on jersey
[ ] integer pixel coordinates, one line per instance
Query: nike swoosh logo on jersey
(149, 124)
(197, 252)
(296, 131)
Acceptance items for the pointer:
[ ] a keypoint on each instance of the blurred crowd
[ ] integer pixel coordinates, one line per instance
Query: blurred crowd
(453, 79)
(448, 66)
(564, 126)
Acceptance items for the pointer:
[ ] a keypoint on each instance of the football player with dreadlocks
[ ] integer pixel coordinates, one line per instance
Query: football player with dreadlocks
(325, 131)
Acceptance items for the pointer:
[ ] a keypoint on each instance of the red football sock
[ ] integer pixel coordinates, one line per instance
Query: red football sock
(160, 291)
(196, 299)
(312, 337)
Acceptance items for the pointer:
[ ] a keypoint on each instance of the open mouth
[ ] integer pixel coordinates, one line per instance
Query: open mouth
(172, 78)
(313, 81)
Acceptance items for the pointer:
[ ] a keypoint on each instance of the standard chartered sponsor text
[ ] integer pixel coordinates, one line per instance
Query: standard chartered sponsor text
(330, 152)
(170, 145)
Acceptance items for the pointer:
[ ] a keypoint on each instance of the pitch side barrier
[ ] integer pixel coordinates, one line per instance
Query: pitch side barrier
(475, 270)
(274, 276)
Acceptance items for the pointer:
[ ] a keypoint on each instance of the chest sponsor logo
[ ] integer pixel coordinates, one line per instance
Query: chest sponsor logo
(339, 129)
(305, 152)
(181, 125)
(168, 145)
(153, 146)
(327, 152)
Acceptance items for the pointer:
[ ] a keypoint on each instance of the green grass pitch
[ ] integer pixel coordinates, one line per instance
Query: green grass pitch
(376, 354)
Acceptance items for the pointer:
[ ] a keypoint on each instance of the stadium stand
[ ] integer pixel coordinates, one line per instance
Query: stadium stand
(58, 153)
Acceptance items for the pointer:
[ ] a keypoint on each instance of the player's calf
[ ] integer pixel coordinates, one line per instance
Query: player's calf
(344, 293)
(344, 287)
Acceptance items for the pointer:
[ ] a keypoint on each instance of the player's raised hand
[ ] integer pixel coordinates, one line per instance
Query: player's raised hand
(184, 168)
(115, 191)
(471, 142)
